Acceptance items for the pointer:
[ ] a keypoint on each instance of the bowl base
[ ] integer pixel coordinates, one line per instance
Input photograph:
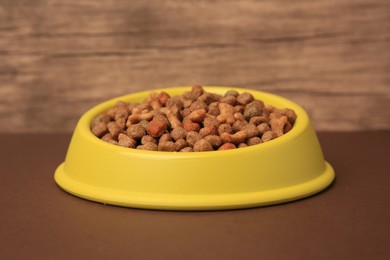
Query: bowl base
(194, 202)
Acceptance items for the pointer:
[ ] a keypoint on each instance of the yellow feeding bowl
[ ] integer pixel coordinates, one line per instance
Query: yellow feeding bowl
(287, 168)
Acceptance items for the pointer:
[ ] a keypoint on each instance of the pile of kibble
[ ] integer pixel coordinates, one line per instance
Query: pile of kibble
(194, 121)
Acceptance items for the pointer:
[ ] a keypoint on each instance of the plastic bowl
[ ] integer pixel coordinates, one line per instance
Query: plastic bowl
(287, 168)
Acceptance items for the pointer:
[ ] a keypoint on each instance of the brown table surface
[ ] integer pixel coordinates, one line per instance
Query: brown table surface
(349, 220)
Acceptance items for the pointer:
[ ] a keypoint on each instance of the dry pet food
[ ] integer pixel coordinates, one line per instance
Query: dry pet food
(195, 121)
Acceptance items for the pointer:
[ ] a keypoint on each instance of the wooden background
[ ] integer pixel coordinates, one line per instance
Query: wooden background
(59, 58)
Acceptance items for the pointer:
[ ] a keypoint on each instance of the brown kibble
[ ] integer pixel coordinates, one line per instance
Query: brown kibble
(198, 105)
(227, 146)
(252, 111)
(242, 145)
(239, 116)
(257, 120)
(136, 131)
(99, 129)
(236, 138)
(192, 137)
(214, 140)
(173, 120)
(178, 133)
(209, 98)
(197, 91)
(254, 140)
(245, 98)
(251, 130)
(126, 141)
(208, 130)
(263, 127)
(165, 138)
(148, 139)
(202, 146)
(187, 149)
(268, 136)
(211, 121)
(185, 112)
(156, 127)
(238, 125)
(107, 137)
(239, 108)
(225, 128)
(231, 100)
(194, 121)
(278, 124)
(180, 144)
(113, 129)
(112, 142)
(121, 123)
(232, 93)
(213, 109)
(136, 118)
(148, 146)
(191, 126)
(101, 118)
(227, 113)
(196, 116)
(163, 98)
(121, 112)
(167, 146)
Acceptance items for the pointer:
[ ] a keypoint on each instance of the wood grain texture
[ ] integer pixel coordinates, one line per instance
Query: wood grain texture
(59, 58)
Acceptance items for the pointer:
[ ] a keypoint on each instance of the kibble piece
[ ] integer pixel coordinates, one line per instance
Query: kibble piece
(254, 140)
(165, 138)
(245, 98)
(257, 120)
(191, 126)
(126, 141)
(231, 100)
(121, 112)
(197, 91)
(107, 137)
(148, 139)
(263, 127)
(225, 128)
(163, 98)
(232, 93)
(156, 127)
(101, 118)
(178, 133)
(213, 109)
(202, 145)
(214, 140)
(114, 129)
(252, 111)
(180, 144)
(148, 146)
(187, 149)
(198, 105)
(99, 129)
(238, 125)
(278, 124)
(208, 130)
(242, 145)
(268, 136)
(136, 131)
(167, 146)
(192, 137)
(227, 146)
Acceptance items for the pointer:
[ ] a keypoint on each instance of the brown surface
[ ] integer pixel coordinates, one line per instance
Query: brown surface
(61, 56)
(350, 220)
